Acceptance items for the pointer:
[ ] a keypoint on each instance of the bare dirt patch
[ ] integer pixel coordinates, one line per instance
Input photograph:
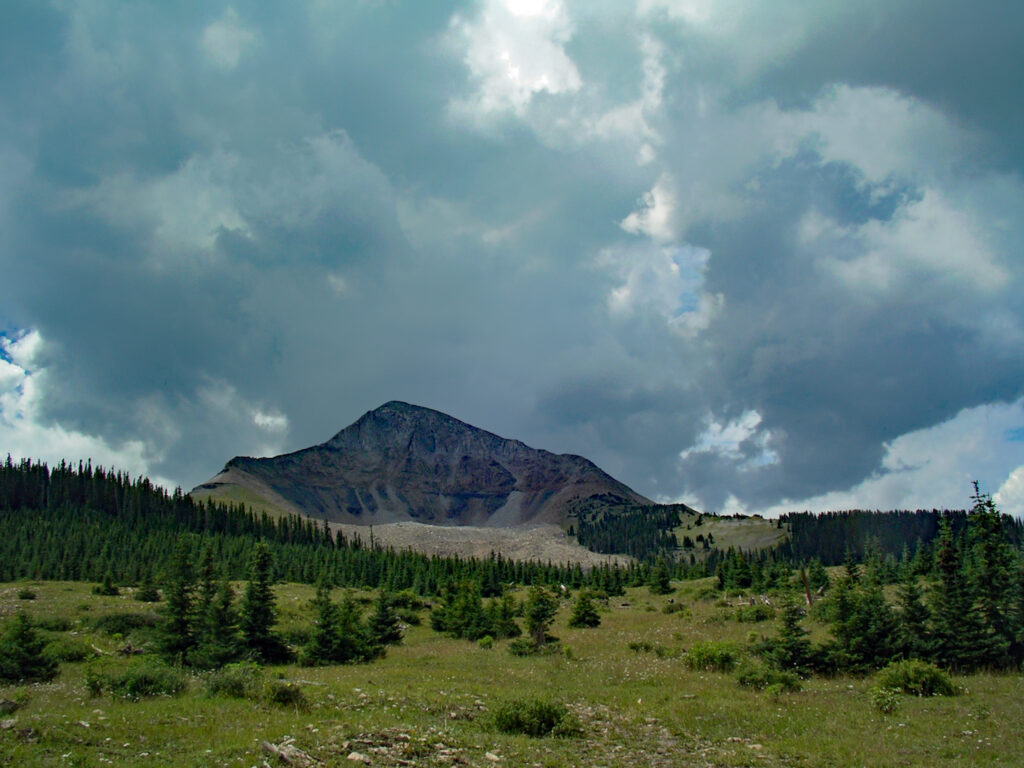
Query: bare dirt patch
(538, 542)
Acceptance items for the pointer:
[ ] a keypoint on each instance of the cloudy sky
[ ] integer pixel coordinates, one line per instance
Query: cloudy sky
(757, 255)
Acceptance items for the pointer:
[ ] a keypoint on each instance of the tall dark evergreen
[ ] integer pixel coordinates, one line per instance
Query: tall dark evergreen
(259, 612)
(956, 626)
(177, 626)
(791, 648)
(539, 611)
(914, 617)
(383, 626)
(584, 612)
(22, 653)
(220, 641)
(991, 580)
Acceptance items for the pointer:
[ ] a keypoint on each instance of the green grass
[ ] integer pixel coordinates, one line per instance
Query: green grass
(746, 533)
(431, 701)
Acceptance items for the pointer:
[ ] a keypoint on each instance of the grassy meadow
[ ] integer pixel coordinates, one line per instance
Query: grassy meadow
(631, 699)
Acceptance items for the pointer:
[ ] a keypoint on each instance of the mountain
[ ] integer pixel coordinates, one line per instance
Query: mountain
(402, 463)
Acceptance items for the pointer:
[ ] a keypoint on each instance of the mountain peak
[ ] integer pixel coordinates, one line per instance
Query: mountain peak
(406, 462)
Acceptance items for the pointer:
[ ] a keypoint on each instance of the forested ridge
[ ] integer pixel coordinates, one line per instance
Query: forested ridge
(79, 522)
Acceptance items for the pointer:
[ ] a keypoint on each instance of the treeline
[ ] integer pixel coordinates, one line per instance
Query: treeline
(830, 536)
(86, 524)
(965, 612)
(610, 527)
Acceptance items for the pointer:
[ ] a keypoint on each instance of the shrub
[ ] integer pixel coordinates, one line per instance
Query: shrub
(760, 677)
(752, 614)
(123, 623)
(712, 656)
(916, 677)
(69, 649)
(285, 694)
(26, 594)
(529, 717)
(144, 679)
(242, 680)
(886, 700)
(486, 642)
(54, 623)
(680, 608)
(21, 652)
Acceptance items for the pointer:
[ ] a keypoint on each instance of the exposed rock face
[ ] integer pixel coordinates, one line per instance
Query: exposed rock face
(402, 462)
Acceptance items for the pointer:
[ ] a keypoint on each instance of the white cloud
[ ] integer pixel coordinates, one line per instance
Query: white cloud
(24, 434)
(881, 133)
(183, 211)
(934, 467)
(655, 216)
(514, 50)
(726, 440)
(226, 40)
(664, 280)
(272, 421)
(1010, 496)
(926, 239)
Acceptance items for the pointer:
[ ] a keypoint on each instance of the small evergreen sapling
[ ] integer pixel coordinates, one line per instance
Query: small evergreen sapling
(584, 612)
(21, 653)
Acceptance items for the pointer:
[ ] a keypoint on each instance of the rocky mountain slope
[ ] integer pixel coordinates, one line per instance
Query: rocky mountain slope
(402, 462)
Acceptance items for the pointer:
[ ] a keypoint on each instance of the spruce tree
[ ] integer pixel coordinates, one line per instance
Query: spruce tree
(539, 612)
(324, 642)
(914, 617)
(383, 626)
(956, 628)
(258, 611)
(176, 630)
(791, 648)
(501, 614)
(991, 566)
(221, 640)
(22, 656)
(584, 612)
(659, 582)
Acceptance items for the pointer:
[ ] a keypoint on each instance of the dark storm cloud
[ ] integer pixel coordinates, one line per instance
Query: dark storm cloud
(695, 247)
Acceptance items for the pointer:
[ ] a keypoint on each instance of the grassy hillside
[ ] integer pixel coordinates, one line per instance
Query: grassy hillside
(746, 533)
(431, 701)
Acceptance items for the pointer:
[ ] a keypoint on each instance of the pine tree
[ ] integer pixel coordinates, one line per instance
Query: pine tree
(991, 580)
(176, 632)
(914, 617)
(221, 640)
(791, 649)
(258, 611)
(956, 628)
(539, 612)
(383, 626)
(22, 656)
(324, 646)
(584, 612)
(659, 582)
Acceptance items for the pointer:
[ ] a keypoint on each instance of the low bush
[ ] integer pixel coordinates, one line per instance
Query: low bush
(533, 717)
(139, 680)
(69, 649)
(680, 608)
(712, 657)
(751, 614)
(284, 694)
(242, 680)
(486, 642)
(26, 594)
(123, 623)
(918, 678)
(54, 623)
(760, 677)
(886, 700)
